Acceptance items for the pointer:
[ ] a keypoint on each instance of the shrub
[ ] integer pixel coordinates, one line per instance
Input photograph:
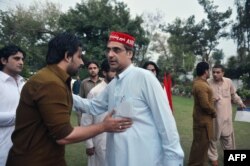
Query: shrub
(244, 93)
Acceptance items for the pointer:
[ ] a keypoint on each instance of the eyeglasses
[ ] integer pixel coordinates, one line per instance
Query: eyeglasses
(116, 50)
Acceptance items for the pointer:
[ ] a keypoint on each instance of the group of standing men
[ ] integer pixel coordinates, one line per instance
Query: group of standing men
(140, 126)
(212, 114)
(144, 102)
(42, 125)
(135, 110)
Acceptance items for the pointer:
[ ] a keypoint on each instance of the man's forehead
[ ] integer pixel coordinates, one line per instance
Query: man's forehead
(18, 54)
(115, 44)
(92, 65)
(217, 69)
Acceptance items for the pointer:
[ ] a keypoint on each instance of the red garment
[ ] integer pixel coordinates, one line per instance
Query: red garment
(168, 84)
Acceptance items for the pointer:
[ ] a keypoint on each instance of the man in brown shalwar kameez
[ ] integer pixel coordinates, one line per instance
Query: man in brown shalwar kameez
(203, 114)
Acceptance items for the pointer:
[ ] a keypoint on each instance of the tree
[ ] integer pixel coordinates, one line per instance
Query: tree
(232, 68)
(151, 24)
(201, 38)
(241, 29)
(180, 44)
(30, 28)
(241, 34)
(159, 47)
(218, 55)
(92, 21)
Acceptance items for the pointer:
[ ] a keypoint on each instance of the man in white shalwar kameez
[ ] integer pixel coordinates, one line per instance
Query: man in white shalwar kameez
(11, 83)
(153, 139)
(224, 92)
(97, 144)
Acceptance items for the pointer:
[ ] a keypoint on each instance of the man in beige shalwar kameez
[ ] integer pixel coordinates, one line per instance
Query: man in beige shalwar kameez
(224, 92)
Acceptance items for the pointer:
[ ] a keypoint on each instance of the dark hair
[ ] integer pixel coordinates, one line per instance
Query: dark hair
(220, 67)
(132, 49)
(9, 50)
(61, 44)
(128, 48)
(92, 62)
(105, 65)
(151, 63)
(201, 68)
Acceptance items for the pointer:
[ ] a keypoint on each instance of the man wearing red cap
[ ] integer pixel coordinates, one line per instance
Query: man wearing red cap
(136, 93)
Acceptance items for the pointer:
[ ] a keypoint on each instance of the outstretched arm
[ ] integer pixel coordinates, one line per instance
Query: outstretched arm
(109, 124)
(235, 97)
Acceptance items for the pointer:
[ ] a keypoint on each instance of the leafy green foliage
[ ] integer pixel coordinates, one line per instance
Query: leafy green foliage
(93, 20)
(201, 38)
(30, 28)
(244, 93)
(241, 33)
(218, 55)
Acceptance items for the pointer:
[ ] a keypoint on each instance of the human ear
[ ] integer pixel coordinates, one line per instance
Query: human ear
(67, 57)
(130, 54)
(3, 60)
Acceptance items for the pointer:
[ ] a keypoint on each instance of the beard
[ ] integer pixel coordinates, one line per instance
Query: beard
(72, 71)
(93, 74)
(73, 68)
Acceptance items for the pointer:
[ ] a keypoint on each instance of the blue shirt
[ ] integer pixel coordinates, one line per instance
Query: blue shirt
(153, 139)
(76, 87)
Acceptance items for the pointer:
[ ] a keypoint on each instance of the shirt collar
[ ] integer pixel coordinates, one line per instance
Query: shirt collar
(89, 79)
(63, 75)
(222, 80)
(199, 78)
(125, 72)
(4, 77)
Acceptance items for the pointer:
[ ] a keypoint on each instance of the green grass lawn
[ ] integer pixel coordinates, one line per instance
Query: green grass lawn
(75, 153)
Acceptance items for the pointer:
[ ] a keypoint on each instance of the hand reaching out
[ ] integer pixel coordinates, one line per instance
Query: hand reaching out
(116, 124)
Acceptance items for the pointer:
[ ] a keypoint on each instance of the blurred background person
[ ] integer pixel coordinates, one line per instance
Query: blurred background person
(151, 66)
(96, 146)
(76, 85)
(224, 93)
(88, 83)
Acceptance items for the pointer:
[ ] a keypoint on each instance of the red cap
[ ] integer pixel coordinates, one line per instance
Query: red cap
(122, 38)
